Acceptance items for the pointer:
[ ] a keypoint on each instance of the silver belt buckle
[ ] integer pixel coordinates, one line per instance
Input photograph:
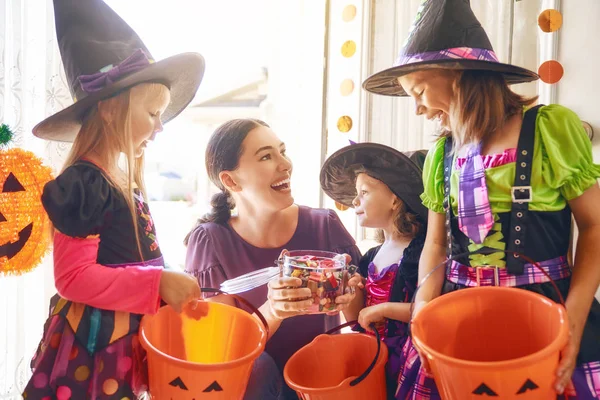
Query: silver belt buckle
(521, 189)
(496, 274)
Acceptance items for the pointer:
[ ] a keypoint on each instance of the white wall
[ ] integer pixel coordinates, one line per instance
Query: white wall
(579, 89)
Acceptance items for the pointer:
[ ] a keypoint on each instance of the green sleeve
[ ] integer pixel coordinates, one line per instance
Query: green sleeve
(567, 163)
(433, 178)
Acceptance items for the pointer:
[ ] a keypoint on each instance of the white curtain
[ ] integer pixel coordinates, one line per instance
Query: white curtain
(32, 86)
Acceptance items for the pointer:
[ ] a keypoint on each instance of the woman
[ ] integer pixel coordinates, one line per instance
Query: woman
(512, 179)
(247, 161)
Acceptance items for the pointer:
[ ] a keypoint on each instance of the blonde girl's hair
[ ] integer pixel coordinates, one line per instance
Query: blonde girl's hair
(108, 138)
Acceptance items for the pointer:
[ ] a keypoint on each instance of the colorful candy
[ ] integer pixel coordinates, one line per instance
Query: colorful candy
(324, 277)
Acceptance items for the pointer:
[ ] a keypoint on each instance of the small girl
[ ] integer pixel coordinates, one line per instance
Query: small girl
(383, 186)
(108, 267)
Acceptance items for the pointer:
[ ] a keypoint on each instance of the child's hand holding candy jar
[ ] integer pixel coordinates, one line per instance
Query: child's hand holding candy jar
(353, 299)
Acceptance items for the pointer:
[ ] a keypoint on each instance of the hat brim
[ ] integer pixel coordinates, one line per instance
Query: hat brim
(182, 73)
(386, 81)
(338, 174)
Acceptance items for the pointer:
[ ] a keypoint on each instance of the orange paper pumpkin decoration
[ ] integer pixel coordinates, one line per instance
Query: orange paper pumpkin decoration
(24, 224)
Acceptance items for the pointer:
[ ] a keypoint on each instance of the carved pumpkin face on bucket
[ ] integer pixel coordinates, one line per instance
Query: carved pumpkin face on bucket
(201, 387)
(524, 390)
(24, 224)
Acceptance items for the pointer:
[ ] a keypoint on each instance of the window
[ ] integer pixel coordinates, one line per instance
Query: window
(264, 60)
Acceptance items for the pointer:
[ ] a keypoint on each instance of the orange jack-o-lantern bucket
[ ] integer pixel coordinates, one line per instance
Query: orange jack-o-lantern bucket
(339, 367)
(498, 342)
(203, 353)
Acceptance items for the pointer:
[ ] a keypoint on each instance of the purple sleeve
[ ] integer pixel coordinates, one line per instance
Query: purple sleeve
(341, 241)
(201, 260)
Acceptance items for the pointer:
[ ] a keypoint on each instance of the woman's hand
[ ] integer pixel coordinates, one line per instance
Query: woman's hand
(286, 298)
(178, 289)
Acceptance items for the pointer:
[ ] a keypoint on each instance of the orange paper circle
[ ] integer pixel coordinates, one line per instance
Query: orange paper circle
(348, 48)
(344, 124)
(346, 87)
(551, 72)
(349, 13)
(341, 207)
(550, 20)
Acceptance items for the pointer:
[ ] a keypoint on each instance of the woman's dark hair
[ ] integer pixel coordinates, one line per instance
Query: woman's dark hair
(223, 153)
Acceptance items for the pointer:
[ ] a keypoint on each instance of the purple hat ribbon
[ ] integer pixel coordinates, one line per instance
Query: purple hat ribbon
(110, 74)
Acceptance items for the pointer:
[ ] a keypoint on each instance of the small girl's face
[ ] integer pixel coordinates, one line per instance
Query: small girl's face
(146, 107)
(432, 91)
(374, 204)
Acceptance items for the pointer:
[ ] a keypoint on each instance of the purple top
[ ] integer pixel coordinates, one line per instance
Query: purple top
(217, 253)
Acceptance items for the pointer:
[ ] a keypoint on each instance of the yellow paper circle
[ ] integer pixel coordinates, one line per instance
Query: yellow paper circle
(349, 13)
(346, 87)
(348, 48)
(341, 207)
(550, 20)
(344, 124)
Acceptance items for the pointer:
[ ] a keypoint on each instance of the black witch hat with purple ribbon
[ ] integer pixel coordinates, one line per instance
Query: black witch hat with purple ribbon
(445, 34)
(401, 172)
(102, 56)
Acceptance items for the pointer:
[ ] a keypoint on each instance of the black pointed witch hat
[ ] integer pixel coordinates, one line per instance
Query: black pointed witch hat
(445, 34)
(102, 56)
(401, 172)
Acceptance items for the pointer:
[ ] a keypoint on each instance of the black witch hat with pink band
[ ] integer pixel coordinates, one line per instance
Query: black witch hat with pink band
(401, 172)
(103, 56)
(445, 34)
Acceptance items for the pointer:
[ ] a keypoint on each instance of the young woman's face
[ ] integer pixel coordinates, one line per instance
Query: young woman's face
(432, 91)
(146, 111)
(264, 171)
(374, 204)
